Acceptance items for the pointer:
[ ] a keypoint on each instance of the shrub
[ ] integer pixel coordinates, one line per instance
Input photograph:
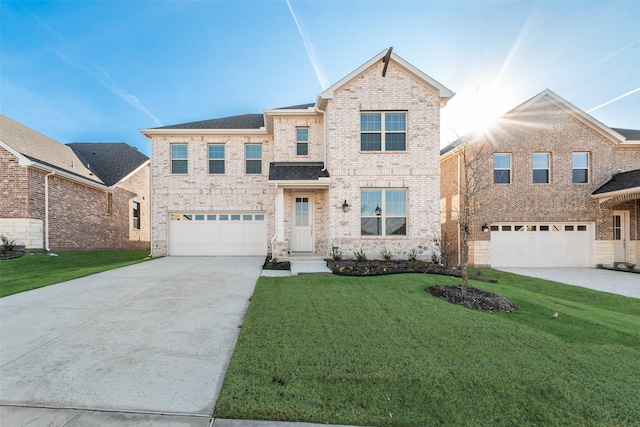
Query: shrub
(273, 261)
(413, 255)
(630, 266)
(7, 245)
(336, 253)
(435, 258)
(360, 256)
(386, 255)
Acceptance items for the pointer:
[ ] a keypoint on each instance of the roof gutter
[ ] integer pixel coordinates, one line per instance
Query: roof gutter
(324, 127)
(616, 193)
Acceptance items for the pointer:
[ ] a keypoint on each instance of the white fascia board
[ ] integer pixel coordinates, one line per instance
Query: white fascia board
(320, 183)
(22, 159)
(130, 174)
(311, 111)
(149, 132)
(616, 193)
(444, 93)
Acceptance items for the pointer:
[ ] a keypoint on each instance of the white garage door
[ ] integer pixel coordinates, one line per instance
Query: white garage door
(216, 234)
(541, 245)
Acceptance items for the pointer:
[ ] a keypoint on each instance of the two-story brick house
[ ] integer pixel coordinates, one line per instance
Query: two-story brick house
(552, 195)
(357, 169)
(76, 196)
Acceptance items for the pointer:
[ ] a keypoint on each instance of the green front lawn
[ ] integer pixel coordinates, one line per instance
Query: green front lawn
(380, 351)
(33, 271)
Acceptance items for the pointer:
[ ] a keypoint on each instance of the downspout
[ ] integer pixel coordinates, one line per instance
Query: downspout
(324, 126)
(46, 210)
(275, 219)
(459, 205)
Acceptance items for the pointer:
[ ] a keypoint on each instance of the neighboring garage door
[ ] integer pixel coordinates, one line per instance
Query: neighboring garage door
(541, 245)
(216, 234)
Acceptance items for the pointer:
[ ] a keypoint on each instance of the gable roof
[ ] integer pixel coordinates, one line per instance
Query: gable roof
(110, 161)
(243, 121)
(620, 181)
(296, 171)
(444, 93)
(40, 149)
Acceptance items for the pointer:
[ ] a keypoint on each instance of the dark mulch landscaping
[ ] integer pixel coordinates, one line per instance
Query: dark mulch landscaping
(280, 265)
(476, 299)
(378, 267)
(10, 254)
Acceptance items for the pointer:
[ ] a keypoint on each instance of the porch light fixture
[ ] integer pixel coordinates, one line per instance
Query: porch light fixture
(378, 211)
(485, 228)
(345, 206)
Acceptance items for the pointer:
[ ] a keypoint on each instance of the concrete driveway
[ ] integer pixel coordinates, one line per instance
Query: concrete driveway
(615, 282)
(147, 344)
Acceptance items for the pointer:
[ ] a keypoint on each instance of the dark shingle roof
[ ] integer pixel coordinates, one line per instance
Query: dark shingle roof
(109, 161)
(621, 181)
(630, 134)
(293, 171)
(244, 121)
(298, 107)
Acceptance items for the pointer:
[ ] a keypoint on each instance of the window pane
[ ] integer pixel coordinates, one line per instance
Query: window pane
(211, 217)
(178, 166)
(396, 226)
(302, 149)
(394, 142)
(396, 203)
(540, 176)
(501, 176)
(179, 151)
(216, 166)
(579, 160)
(394, 122)
(254, 166)
(580, 176)
(302, 134)
(235, 217)
(370, 122)
(247, 217)
(259, 217)
(199, 217)
(223, 217)
(501, 161)
(541, 161)
(371, 226)
(216, 151)
(253, 151)
(369, 201)
(370, 142)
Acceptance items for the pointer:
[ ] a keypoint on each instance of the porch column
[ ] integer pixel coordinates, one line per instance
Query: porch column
(280, 214)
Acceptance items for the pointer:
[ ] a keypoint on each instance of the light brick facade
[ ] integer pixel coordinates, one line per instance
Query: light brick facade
(334, 139)
(544, 126)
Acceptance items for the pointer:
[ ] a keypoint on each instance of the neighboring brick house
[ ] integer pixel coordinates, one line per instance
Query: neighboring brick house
(553, 193)
(357, 169)
(76, 196)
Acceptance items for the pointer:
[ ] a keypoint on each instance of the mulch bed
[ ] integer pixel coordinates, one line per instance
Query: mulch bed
(11, 254)
(476, 299)
(280, 265)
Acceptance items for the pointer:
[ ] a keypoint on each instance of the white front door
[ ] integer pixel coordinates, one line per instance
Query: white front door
(302, 230)
(620, 235)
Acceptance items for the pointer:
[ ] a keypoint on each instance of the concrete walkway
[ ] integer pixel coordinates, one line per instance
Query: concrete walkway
(615, 282)
(147, 344)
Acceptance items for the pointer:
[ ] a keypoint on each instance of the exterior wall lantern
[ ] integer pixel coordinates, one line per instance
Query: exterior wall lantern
(378, 211)
(485, 228)
(345, 206)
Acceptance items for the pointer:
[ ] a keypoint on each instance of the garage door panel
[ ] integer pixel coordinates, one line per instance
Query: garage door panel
(541, 245)
(213, 234)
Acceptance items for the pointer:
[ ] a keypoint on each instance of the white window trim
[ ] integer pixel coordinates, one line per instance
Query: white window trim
(302, 142)
(588, 168)
(510, 169)
(383, 131)
(223, 159)
(185, 159)
(383, 216)
(260, 159)
(548, 168)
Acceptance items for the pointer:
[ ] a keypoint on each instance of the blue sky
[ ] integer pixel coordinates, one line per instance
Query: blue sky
(84, 71)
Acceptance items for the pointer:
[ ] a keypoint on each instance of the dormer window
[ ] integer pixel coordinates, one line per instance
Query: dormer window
(383, 131)
(302, 141)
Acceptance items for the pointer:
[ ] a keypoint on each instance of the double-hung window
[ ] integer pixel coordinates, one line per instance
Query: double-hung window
(383, 131)
(502, 168)
(216, 159)
(302, 141)
(253, 159)
(540, 168)
(580, 168)
(179, 159)
(383, 212)
(136, 215)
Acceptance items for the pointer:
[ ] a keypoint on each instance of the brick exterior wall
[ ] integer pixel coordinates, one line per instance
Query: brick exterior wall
(546, 128)
(77, 217)
(416, 170)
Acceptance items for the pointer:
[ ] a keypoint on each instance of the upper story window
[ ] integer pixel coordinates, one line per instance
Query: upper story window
(253, 158)
(580, 167)
(179, 158)
(540, 168)
(383, 131)
(136, 215)
(502, 168)
(383, 212)
(216, 159)
(302, 141)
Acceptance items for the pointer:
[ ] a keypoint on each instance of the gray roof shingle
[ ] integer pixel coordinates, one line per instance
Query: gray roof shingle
(109, 161)
(629, 134)
(244, 121)
(621, 181)
(297, 171)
